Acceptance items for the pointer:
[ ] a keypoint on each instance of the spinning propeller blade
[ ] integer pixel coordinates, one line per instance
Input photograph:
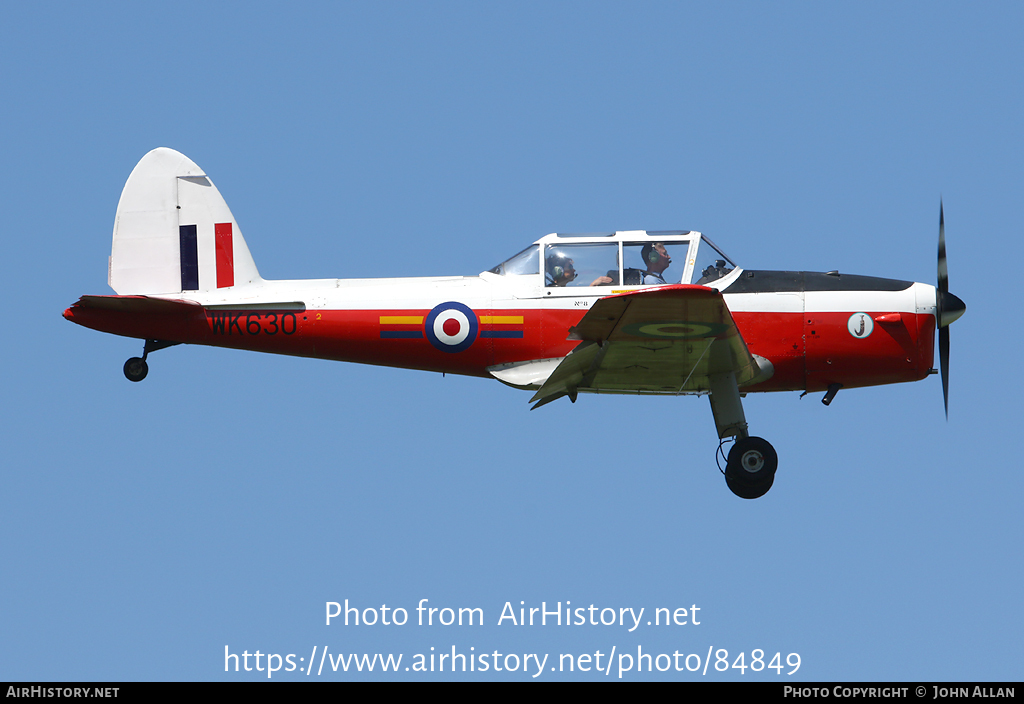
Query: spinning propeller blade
(947, 309)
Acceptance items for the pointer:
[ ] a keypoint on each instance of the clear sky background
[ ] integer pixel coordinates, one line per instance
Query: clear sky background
(224, 500)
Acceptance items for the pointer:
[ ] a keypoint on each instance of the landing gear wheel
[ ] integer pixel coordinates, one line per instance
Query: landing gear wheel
(750, 469)
(136, 369)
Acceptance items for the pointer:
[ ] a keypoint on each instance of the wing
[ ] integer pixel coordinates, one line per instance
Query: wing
(665, 340)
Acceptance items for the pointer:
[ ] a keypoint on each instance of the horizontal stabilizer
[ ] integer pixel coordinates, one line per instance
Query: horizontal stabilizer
(137, 304)
(140, 317)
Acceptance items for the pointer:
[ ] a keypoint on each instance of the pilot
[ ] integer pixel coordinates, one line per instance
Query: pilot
(656, 259)
(559, 271)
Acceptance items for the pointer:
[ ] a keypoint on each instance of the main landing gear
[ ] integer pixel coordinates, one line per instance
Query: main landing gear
(750, 468)
(752, 461)
(136, 368)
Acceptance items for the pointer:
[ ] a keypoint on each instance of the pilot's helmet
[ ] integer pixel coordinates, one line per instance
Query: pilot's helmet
(650, 254)
(557, 264)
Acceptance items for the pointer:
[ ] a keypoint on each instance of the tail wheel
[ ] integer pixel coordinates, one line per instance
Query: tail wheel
(136, 369)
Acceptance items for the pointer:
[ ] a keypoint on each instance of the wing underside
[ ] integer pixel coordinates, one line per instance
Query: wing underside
(668, 340)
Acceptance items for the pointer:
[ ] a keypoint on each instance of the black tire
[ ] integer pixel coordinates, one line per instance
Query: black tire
(136, 369)
(752, 461)
(749, 491)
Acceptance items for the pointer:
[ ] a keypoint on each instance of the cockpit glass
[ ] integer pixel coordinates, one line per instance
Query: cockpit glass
(654, 263)
(575, 265)
(526, 262)
(711, 263)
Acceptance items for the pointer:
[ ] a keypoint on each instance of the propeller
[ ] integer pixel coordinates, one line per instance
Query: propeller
(947, 309)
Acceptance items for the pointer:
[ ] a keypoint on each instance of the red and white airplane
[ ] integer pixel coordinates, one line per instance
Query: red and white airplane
(633, 312)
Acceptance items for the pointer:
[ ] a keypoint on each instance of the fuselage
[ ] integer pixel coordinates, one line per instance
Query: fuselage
(816, 329)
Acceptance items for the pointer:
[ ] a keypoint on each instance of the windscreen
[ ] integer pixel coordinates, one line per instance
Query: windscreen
(711, 263)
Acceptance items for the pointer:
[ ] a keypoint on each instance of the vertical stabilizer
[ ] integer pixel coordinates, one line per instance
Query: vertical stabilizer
(174, 233)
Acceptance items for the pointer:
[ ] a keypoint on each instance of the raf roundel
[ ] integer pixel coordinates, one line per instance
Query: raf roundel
(451, 327)
(680, 330)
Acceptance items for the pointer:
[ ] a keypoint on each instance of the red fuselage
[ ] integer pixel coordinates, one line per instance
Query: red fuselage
(815, 329)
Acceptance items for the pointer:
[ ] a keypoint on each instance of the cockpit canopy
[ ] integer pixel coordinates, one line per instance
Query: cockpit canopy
(629, 258)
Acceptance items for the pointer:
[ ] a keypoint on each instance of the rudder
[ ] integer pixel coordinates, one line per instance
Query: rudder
(174, 233)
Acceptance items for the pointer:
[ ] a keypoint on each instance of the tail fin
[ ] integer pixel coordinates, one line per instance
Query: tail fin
(173, 232)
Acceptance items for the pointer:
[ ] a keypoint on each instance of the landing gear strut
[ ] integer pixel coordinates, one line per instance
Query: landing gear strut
(136, 368)
(750, 467)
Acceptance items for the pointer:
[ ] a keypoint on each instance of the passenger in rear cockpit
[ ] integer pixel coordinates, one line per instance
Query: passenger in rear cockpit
(560, 271)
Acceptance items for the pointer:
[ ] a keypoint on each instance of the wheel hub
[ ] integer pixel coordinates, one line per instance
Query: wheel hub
(752, 461)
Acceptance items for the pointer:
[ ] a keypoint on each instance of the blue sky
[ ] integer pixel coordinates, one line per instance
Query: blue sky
(226, 499)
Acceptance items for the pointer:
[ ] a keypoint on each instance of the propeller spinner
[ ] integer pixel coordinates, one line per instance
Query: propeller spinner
(947, 309)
